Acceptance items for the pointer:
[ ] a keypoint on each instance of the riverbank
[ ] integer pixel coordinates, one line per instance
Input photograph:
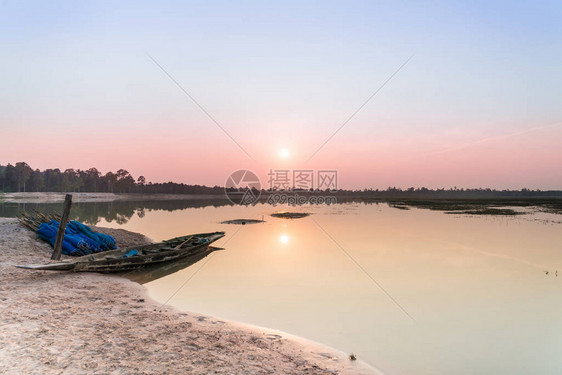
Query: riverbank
(499, 205)
(82, 323)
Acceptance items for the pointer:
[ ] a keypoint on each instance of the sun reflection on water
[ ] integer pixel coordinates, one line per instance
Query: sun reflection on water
(284, 239)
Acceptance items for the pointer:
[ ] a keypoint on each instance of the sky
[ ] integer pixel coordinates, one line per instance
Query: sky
(477, 105)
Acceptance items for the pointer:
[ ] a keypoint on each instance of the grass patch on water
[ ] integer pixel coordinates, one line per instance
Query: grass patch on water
(480, 206)
(488, 211)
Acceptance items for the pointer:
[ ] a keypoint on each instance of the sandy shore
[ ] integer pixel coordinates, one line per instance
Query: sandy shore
(83, 323)
(98, 197)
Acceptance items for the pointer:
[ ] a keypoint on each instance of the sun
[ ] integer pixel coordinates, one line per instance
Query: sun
(284, 153)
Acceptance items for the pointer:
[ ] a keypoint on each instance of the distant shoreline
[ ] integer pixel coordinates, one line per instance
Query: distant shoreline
(452, 202)
(383, 195)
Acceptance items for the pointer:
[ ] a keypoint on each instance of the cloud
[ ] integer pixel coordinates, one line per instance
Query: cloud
(491, 139)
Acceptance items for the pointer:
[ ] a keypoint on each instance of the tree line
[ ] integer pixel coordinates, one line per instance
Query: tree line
(22, 178)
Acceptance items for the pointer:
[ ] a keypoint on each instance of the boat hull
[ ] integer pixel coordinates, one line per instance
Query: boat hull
(115, 261)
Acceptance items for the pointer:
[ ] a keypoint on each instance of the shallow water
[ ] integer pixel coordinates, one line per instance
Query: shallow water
(475, 286)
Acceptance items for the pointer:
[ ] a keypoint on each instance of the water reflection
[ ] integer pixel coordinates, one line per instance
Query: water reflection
(157, 271)
(470, 282)
(120, 212)
(477, 285)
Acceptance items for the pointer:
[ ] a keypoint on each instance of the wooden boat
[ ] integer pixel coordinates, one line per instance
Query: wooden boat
(133, 257)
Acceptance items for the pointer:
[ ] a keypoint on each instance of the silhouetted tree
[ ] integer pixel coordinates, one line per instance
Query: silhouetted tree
(110, 179)
(70, 180)
(11, 178)
(3, 177)
(125, 182)
(23, 172)
(53, 178)
(36, 181)
(91, 180)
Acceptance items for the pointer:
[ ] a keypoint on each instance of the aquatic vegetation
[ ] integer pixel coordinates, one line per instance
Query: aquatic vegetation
(480, 206)
(242, 221)
(290, 215)
(488, 211)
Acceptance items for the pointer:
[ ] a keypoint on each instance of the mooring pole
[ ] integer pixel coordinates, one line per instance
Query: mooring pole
(62, 227)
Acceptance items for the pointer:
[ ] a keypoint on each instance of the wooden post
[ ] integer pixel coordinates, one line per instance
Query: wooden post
(62, 227)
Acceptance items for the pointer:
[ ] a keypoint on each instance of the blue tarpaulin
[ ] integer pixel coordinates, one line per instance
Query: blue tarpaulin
(131, 253)
(79, 239)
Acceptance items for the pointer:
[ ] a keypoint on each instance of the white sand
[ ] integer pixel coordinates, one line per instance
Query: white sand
(84, 323)
(98, 197)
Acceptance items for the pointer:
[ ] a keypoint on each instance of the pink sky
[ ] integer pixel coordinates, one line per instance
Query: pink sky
(520, 158)
(477, 105)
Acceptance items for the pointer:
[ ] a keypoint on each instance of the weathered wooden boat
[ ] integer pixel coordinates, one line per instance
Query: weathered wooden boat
(134, 257)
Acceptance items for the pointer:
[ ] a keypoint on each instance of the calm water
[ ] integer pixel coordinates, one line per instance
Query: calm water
(475, 286)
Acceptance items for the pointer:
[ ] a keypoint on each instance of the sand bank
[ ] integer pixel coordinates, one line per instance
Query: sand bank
(83, 323)
(98, 197)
